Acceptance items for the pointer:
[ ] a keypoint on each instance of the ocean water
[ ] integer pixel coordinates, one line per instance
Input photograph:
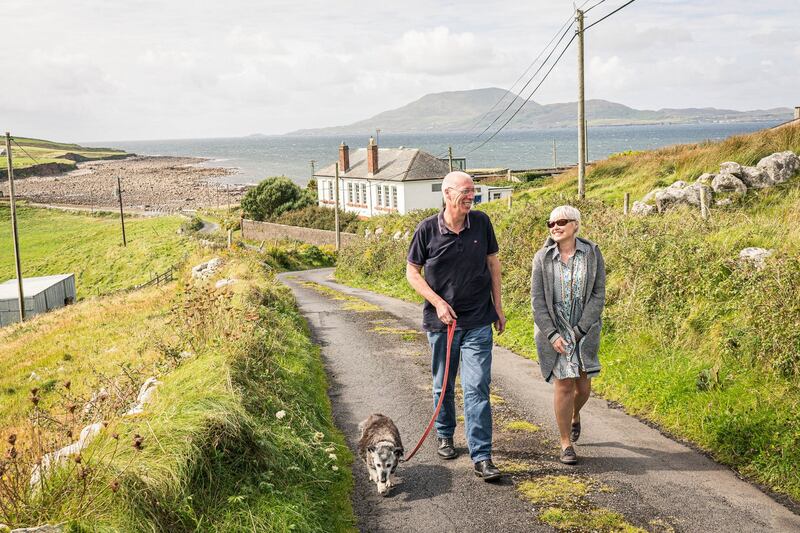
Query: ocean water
(282, 155)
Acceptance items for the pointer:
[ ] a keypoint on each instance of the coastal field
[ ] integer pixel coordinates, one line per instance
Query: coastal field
(695, 341)
(54, 156)
(59, 242)
(237, 436)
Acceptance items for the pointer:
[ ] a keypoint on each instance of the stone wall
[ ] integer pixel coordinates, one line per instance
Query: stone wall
(263, 231)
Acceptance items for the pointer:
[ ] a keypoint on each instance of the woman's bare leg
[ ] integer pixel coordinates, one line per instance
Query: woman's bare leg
(564, 403)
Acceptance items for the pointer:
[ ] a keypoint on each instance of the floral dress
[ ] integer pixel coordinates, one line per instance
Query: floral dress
(568, 288)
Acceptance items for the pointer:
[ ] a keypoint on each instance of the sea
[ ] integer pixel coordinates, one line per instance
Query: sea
(259, 157)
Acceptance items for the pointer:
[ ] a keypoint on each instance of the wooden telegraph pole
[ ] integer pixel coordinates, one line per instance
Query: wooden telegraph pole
(121, 213)
(555, 155)
(450, 156)
(581, 113)
(336, 209)
(14, 233)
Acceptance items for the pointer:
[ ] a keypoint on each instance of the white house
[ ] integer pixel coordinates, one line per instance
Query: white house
(375, 181)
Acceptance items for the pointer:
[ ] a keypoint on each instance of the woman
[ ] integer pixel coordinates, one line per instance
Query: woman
(568, 291)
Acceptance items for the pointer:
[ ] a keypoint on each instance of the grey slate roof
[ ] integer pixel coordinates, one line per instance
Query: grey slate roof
(394, 164)
(30, 286)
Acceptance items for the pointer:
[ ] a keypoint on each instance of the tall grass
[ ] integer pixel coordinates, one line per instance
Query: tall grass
(702, 344)
(239, 436)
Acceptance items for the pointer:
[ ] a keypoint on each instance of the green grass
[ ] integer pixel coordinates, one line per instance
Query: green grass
(59, 242)
(27, 152)
(692, 340)
(239, 437)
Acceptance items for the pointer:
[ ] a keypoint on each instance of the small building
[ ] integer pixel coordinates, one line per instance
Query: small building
(41, 294)
(375, 181)
(489, 193)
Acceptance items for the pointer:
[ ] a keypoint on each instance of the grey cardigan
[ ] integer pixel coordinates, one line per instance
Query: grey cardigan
(544, 316)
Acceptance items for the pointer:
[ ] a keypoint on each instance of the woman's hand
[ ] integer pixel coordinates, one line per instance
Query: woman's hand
(560, 346)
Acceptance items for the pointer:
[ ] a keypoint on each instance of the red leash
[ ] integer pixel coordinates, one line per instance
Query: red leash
(451, 330)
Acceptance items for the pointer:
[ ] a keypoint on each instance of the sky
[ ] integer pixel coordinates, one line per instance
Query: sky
(95, 70)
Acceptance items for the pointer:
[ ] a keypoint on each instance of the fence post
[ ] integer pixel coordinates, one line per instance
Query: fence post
(230, 238)
(626, 207)
(703, 206)
(510, 200)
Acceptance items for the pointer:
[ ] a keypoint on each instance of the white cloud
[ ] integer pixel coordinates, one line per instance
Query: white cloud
(441, 52)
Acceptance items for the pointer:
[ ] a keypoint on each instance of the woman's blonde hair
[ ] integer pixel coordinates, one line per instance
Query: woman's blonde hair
(566, 211)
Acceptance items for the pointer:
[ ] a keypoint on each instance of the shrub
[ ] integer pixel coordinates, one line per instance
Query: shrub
(273, 197)
(314, 216)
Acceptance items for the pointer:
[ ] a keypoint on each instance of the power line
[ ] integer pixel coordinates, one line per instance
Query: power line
(23, 149)
(571, 18)
(564, 34)
(592, 7)
(608, 15)
(528, 98)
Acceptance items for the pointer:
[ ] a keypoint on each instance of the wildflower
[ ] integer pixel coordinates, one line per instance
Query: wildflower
(78, 458)
(330, 449)
(280, 414)
(318, 436)
(138, 442)
(335, 468)
(332, 456)
(114, 486)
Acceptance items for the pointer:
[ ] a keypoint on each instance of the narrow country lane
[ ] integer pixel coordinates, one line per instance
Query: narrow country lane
(377, 361)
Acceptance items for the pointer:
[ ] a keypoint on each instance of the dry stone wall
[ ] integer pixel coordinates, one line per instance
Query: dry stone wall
(263, 231)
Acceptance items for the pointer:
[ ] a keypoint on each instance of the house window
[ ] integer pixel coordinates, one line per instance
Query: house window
(436, 187)
(394, 196)
(349, 193)
(379, 194)
(364, 192)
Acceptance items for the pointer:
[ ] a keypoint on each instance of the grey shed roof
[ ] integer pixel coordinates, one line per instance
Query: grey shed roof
(30, 286)
(394, 164)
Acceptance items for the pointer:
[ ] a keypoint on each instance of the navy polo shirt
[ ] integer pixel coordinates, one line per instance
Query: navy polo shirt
(456, 269)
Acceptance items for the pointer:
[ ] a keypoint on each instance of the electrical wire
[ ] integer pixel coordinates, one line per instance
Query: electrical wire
(598, 21)
(594, 6)
(23, 149)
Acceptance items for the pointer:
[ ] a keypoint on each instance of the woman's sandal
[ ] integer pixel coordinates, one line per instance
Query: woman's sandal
(576, 432)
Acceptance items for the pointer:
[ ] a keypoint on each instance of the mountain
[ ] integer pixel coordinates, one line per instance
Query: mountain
(455, 111)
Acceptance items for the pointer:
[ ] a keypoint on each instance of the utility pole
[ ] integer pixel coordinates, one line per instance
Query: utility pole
(312, 167)
(336, 210)
(450, 156)
(555, 156)
(121, 213)
(581, 113)
(378, 136)
(14, 233)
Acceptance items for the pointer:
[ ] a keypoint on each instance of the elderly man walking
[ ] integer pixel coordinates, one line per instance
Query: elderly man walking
(458, 250)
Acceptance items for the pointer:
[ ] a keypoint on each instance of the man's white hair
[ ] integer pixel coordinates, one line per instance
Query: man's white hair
(568, 212)
(451, 179)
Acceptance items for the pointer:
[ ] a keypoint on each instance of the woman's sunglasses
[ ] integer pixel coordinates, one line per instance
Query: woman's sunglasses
(561, 222)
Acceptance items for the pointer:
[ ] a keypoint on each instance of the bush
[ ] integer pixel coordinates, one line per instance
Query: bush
(314, 216)
(273, 197)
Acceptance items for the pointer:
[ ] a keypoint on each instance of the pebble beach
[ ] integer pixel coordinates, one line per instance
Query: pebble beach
(149, 183)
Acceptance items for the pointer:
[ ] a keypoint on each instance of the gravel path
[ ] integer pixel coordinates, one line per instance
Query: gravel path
(655, 482)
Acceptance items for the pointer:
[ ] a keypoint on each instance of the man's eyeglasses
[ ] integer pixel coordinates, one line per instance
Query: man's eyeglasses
(462, 191)
(561, 222)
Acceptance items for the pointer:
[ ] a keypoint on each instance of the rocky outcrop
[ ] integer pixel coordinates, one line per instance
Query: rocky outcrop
(732, 183)
(755, 256)
(780, 166)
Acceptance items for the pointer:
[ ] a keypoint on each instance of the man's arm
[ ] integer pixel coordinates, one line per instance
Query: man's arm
(493, 262)
(415, 279)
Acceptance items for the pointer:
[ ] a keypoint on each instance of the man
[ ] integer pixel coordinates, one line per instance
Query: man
(458, 249)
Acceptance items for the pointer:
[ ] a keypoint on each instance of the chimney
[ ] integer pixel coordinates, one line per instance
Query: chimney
(372, 156)
(344, 157)
(797, 112)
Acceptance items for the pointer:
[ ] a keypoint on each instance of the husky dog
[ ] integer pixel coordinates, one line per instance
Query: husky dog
(380, 448)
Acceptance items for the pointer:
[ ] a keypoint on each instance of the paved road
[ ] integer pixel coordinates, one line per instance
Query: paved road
(656, 482)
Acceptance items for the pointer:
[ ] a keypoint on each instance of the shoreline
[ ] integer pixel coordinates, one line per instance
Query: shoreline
(164, 184)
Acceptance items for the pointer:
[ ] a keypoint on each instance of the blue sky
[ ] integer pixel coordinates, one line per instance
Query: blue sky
(143, 69)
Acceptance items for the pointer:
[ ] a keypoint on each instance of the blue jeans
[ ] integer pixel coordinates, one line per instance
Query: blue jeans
(473, 348)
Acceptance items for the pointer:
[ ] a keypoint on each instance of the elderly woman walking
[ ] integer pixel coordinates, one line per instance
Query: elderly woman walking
(568, 295)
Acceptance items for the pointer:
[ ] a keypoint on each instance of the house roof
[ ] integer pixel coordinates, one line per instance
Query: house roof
(394, 164)
(30, 286)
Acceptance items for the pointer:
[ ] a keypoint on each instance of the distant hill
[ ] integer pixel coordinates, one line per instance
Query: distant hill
(460, 110)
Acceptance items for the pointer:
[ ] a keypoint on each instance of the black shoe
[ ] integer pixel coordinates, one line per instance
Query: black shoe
(568, 456)
(487, 470)
(575, 433)
(446, 449)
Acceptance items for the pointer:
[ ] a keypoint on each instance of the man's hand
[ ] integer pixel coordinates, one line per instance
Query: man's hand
(560, 346)
(445, 312)
(500, 324)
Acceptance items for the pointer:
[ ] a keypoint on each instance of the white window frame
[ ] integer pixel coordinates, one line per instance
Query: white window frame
(394, 196)
(349, 192)
(379, 195)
